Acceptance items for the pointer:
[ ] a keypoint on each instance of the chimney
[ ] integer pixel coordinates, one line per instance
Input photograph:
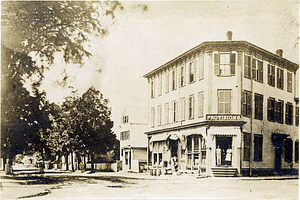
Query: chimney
(229, 35)
(279, 52)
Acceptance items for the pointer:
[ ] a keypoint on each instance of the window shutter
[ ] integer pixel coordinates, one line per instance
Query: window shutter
(232, 64)
(254, 69)
(246, 66)
(217, 63)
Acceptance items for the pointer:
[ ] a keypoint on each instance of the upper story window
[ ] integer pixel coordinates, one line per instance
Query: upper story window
(191, 106)
(224, 64)
(289, 82)
(247, 66)
(271, 109)
(257, 70)
(280, 78)
(201, 67)
(192, 71)
(159, 85)
(271, 75)
(200, 104)
(182, 76)
(152, 117)
(182, 108)
(289, 113)
(224, 101)
(167, 120)
(167, 75)
(246, 104)
(174, 86)
(279, 111)
(296, 115)
(175, 111)
(125, 119)
(125, 135)
(259, 102)
(159, 114)
(152, 89)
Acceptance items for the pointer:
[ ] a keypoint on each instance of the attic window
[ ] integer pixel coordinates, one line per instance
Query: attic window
(125, 119)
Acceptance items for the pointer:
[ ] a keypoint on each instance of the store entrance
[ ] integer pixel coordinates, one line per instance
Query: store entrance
(223, 151)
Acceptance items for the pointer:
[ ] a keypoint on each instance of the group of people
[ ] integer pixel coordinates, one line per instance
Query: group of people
(228, 155)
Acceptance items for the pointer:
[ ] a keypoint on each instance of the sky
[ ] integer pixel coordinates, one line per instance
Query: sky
(147, 34)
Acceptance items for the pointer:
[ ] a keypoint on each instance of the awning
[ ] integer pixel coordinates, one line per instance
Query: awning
(159, 137)
(224, 131)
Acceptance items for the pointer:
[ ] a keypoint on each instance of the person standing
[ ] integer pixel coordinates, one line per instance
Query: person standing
(218, 154)
(228, 156)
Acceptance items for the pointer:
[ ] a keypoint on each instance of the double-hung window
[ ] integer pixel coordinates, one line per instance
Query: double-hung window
(259, 101)
(257, 70)
(182, 76)
(192, 71)
(191, 106)
(289, 113)
(159, 113)
(296, 115)
(152, 117)
(271, 75)
(167, 113)
(152, 89)
(201, 67)
(280, 78)
(182, 108)
(224, 101)
(258, 146)
(224, 64)
(167, 76)
(200, 104)
(175, 111)
(160, 85)
(279, 111)
(246, 104)
(174, 85)
(271, 109)
(247, 140)
(289, 82)
(247, 66)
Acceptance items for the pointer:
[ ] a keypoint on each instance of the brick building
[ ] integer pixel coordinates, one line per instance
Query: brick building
(224, 108)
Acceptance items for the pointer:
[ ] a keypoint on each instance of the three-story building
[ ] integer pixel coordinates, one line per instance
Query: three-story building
(224, 108)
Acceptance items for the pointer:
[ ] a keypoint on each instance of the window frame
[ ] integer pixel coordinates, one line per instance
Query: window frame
(201, 67)
(159, 115)
(246, 147)
(225, 102)
(246, 103)
(296, 115)
(182, 108)
(191, 112)
(167, 84)
(258, 148)
(167, 113)
(152, 117)
(159, 85)
(192, 71)
(247, 66)
(279, 114)
(289, 113)
(175, 111)
(230, 65)
(174, 79)
(289, 81)
(259, 106)
(152, 89)
(280, 78)
(201, 104)
(182, 78)
(271, 110)
(271, 75)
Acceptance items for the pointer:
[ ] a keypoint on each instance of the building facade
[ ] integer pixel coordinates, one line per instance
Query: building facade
(133, 141)
(224, 108)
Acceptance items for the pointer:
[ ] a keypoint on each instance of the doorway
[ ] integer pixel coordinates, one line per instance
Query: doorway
(223, 151)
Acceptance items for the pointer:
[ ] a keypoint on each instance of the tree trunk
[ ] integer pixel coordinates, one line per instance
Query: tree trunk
(84, 158)
(66, 161)
(92, 162)
(72, 162)
(41, 168)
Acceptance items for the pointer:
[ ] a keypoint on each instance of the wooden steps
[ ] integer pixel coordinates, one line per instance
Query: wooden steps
(224, 171)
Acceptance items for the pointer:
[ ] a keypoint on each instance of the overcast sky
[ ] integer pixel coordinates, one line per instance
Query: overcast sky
(143, 39)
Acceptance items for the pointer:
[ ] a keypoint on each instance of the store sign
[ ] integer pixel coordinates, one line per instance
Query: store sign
(222, 117)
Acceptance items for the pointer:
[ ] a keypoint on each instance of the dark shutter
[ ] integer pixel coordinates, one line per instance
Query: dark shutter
(232, 64)
(254, 69)
(217, 63)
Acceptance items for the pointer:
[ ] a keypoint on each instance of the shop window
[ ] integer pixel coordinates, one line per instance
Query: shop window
(271, 109)
(155, 158)
(279, 111)
(246, 104)
(152, 89)
(182, 108)
(247, 140)
(126, 158)
(296, 151)
(258, 144)
(259, 101)
(296, 115)
(247, 66)
(224, 64)
(196, 150)
(289, 113)
(174, 86)
(288, 150)
(189, 144)
(280, 78)
(182, 76)
(200, 104)
(289, 82)
(224, 101)
(159, 158)
(167, 76)
(271, 75)
(201, 67)
(191, 107)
